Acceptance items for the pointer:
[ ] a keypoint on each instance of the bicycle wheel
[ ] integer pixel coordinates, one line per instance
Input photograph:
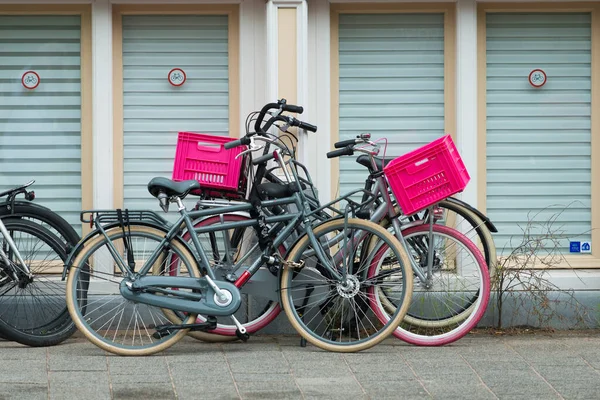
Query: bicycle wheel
(469, 224)
(230, 249)
(33, 310)
(449, 304)
(334, 314)
(43, 216)
(94, 280)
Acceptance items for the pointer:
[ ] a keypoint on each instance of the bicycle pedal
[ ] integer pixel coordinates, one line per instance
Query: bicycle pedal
(242, 336)
(209, 325)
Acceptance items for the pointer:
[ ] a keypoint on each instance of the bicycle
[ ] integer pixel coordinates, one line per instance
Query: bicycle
(33, 242)
(381, 213)
(346, 253)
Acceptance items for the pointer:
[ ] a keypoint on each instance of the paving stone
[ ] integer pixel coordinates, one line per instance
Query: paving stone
(20, 391)
(193, 391)
(131, 391)
(395, 389)
(139, 370)
(76, 363)
(26, 371)
(269, 390)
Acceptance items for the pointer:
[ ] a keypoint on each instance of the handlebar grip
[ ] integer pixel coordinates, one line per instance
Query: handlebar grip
(263, 159)
(344, 143)
(346, 151)
(307, 127)
(292, 108)
(235, 143)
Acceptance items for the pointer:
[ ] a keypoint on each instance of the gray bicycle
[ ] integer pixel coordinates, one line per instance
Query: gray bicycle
(135, 287)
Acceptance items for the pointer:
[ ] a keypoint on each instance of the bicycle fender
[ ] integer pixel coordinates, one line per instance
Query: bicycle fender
(72, 253)
(481, 215)
(4, 207)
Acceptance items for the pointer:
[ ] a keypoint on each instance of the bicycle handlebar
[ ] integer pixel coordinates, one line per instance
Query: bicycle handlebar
(346, 151)
(235, 143)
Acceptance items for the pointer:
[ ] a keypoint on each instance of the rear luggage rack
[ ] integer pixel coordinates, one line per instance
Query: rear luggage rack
(112, 216)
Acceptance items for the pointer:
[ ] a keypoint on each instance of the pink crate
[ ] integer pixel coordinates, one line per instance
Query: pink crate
(203, 158)
(427, 175)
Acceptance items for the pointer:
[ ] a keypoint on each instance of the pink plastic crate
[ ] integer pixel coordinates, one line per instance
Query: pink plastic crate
(203, 158)
(427, 175)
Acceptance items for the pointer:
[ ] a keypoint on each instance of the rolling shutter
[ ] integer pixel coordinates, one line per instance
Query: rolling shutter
(391, 70)
(154, 110)
(538, 139)
(40, 129)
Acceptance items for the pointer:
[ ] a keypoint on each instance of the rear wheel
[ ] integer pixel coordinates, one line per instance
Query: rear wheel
(95, 303)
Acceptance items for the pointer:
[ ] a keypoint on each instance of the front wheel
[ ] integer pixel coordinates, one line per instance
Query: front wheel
(335, 313)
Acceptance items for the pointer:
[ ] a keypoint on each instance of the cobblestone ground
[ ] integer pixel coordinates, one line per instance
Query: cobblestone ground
(538, 366)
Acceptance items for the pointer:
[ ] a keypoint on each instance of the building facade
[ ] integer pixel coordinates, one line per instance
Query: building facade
(93, 93)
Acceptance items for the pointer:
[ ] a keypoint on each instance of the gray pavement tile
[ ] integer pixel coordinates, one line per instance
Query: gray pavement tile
(304, 369)
(193, 390)
(125, 391)
(383, 376)
(334, 387)
(189, 372)
(262, 377)
(238, 348)
(575, 390)
(312, 356)
(492, 366)
(16, 351)
(78, 385)
(26, 371)
(77, 348)
(138, 369)
(527, 396)
(269, 390)
(333, 395)
(432, 370)
(554, 373)
(76, 363)
(398, 389)
(20, 391)
(453, 389)
(593, 361)
(140, 377)
(523, 387)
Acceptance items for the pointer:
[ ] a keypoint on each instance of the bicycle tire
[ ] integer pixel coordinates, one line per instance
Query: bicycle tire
(59, 328)
(83, 320)
(44, 215)
(471, 316)
(295, 254)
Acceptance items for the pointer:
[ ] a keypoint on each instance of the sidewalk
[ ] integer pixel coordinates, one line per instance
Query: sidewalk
(480, 366)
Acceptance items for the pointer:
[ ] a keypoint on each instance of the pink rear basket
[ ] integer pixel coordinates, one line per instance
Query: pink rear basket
(203, 158)
(427, 175)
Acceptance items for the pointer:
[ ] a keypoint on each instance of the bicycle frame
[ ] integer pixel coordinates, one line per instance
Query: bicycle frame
(13, 247)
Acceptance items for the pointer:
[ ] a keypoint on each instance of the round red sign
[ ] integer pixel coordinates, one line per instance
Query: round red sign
(537, 78)
(30, 80)
(177, 77)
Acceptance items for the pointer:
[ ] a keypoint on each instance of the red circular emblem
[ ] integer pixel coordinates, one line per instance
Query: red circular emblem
(30, 80)
(177, 77)
(537, 78)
